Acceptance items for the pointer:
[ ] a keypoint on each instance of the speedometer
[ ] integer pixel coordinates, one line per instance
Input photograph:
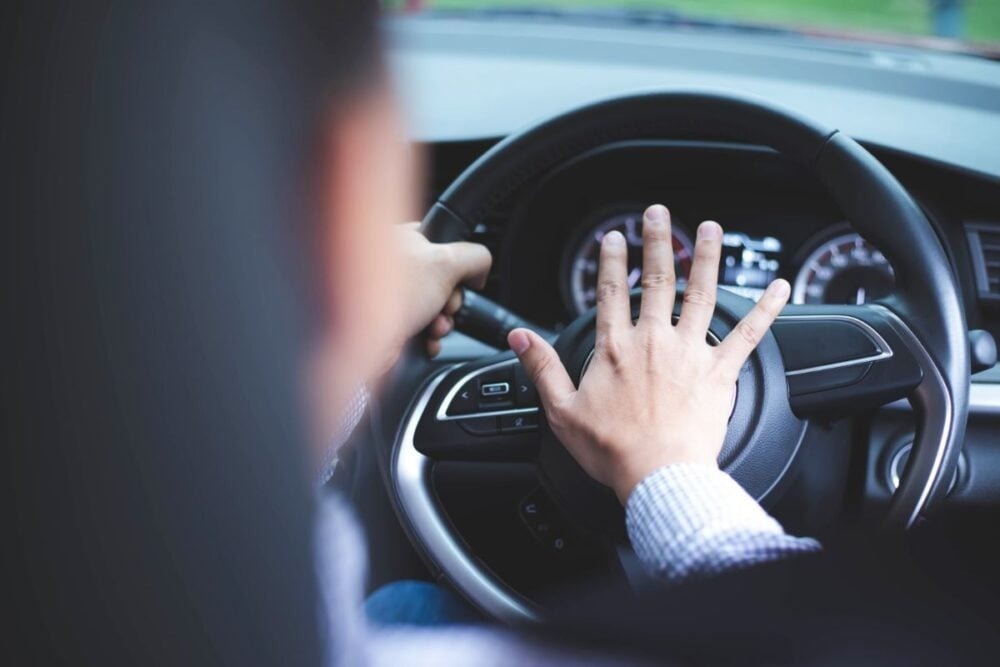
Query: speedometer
(842, 270)
(580, 272)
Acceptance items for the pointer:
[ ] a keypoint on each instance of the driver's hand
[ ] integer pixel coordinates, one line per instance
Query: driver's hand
(655, 393)
(431, 277)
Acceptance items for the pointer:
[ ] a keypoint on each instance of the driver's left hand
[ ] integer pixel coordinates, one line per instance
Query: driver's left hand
(431, 279)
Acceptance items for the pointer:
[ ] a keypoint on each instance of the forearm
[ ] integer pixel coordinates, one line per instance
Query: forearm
(689, 520)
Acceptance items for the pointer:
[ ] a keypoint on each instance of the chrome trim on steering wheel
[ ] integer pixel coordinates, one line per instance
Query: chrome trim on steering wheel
(411, 479)
(936, 405)
(984, 399)
(885, 351)
(442, 413)
(931, 395)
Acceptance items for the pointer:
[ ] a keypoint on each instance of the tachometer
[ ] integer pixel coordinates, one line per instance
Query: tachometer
(844, 269)
(580, 265)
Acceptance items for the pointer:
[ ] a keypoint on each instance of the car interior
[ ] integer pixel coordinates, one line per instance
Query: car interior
(542, 134)
(856, 160)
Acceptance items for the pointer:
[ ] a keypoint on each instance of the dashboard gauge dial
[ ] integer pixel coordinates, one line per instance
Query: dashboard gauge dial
(844, 270)
(580, 266)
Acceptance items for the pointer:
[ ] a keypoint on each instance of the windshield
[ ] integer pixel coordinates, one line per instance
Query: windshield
(967, 25)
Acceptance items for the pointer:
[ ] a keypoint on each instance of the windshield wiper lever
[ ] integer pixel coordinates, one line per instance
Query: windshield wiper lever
(489, 322)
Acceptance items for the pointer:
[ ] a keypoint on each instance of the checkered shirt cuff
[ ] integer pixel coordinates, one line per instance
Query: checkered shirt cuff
(349, 420)
(689, 520)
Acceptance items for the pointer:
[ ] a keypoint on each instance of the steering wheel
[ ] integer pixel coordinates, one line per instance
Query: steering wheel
(817, 363)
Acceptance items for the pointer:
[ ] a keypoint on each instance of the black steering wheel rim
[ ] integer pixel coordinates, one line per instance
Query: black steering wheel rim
(926, 313)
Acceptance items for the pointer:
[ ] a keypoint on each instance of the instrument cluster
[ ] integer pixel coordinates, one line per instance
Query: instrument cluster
(836, 266)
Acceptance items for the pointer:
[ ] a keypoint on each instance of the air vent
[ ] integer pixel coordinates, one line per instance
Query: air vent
(984, 244)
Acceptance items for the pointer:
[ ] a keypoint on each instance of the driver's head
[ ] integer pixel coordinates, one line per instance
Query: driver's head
(363, 181)
(158, 150)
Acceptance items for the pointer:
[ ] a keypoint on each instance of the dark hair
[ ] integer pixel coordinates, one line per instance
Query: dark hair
(345, 41)
(150, 402)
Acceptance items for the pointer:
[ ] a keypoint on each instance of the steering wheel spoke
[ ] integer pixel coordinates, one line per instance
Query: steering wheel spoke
(482, 410)
(842, 360)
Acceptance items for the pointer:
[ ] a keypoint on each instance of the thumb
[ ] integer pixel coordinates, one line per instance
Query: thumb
(543, 366)
(470, 263)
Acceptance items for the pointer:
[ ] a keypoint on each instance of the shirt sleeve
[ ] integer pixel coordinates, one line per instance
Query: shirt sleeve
(690, 520)
(348, 421)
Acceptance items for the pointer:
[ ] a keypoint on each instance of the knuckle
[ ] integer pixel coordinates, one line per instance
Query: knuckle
(444, 255)
(610, 349)
(651, 347)
(658, 280)
(555, 415)
(482, 255)
(748, 333)
(651, 330)
(699, 297)
(654, 232)
(608, 289)
(444, 251)
(561, 417)
(654, 322)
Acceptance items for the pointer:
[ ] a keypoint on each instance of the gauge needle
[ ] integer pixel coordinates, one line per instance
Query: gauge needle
(862, 295)
(633, 277)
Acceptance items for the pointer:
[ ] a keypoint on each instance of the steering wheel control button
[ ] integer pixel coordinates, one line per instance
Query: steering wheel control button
(525, 394)
(519, 423)
(466, 400)
(545, 523)
(495, 390)
(481, 426)
(495, 384)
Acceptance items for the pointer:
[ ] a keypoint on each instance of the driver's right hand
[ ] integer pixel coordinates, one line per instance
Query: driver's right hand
(655, 393)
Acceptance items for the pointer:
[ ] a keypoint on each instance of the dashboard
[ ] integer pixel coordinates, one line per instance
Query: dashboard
(932, 119)
(777, 221)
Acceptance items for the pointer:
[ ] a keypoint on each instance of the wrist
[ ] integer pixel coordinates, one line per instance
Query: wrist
(626, 483)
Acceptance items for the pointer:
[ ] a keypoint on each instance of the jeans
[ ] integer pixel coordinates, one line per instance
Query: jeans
(418, 603)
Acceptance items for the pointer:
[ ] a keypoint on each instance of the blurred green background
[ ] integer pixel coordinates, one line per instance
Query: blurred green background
(971, 20)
